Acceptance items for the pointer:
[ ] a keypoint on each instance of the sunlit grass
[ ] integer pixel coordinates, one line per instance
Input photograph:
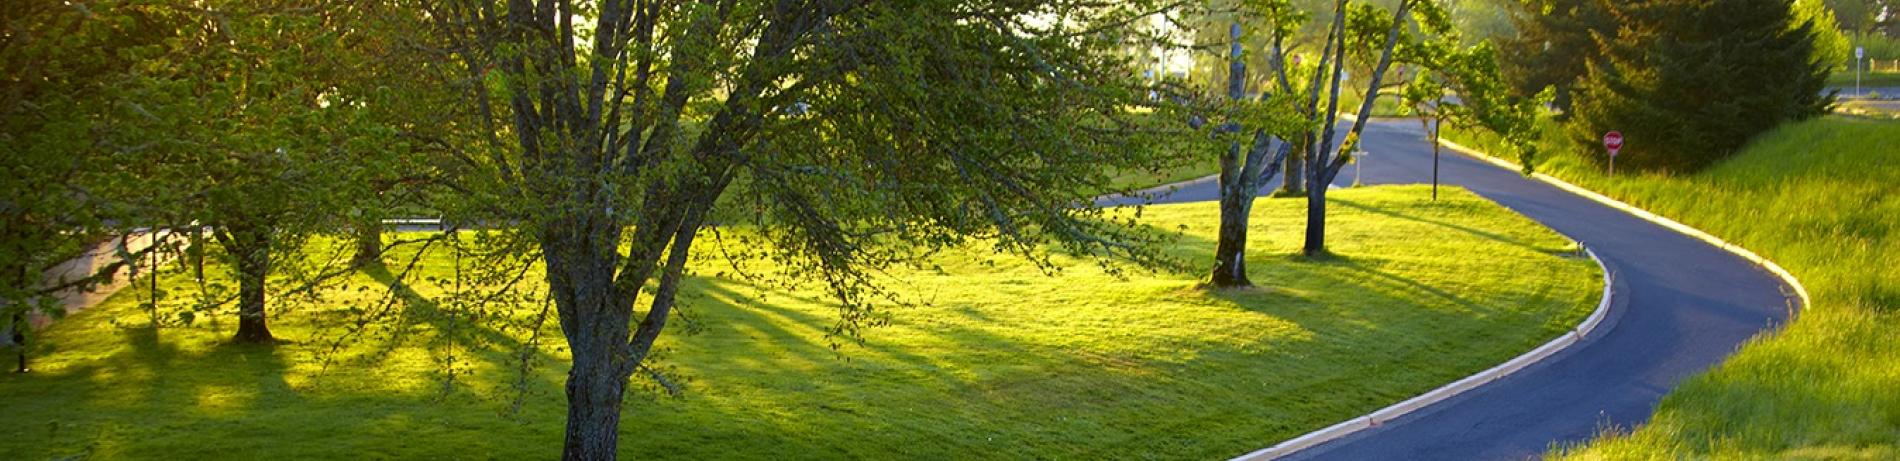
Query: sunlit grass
(1818, 198)
(1200, 166)
(997, 360)
(1867, 79)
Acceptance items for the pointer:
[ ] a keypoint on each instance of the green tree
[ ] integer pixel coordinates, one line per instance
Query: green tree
(1377, 37)
(248, 120)
(1255, 128)
(1830, 45)
(1555, 43)
(1463, 86)
(852, 135)
(1855, 16)
(1688, 82)
(56, 203)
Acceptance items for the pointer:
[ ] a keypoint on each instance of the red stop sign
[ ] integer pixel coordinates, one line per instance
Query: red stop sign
(1614, 141)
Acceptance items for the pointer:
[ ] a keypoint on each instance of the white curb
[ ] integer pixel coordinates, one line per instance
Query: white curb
(1448, 391)
(1589, 324)
(1698, 234)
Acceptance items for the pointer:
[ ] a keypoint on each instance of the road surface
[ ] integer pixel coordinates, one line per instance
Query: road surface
(1679, 306)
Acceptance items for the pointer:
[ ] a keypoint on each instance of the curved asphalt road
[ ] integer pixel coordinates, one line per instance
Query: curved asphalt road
(1679, 306)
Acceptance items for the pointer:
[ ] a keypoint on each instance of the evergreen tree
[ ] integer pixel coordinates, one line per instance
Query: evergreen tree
(1688, 82)
(1554, 45)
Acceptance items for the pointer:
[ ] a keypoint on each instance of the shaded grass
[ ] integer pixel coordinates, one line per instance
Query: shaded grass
(1818, 198)
(998, 360)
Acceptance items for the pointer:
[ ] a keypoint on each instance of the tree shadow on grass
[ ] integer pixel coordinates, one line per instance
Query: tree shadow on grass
(941, 381)
(417, 313)
(755, 329)
(824, 397)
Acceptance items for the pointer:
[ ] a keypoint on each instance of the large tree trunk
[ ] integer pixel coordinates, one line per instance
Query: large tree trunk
(369, 243)
(15, 333)
(594, 390)
(1230, 254)
(1230, 249)
(580, 272)
(1295, 183)
(250, 248)
(1315, 223)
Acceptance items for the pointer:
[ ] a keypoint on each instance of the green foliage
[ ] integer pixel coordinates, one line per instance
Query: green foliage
(261, 122)
(1555, 43)
(54, 201)
(1688, 82)
(1856, 17)
(1482, 20)
(996, 360)
(1830, 45)
(1481, 98)
(853, 137)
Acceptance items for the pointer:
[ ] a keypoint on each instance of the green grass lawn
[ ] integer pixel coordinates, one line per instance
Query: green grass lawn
(1870, 79)
(1819, 198)
(998, 360)
(1196, 167)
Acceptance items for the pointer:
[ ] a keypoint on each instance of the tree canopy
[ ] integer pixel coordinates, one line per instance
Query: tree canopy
(850, 135)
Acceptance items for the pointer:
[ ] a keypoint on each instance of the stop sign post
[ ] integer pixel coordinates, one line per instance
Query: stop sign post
(1614, 142)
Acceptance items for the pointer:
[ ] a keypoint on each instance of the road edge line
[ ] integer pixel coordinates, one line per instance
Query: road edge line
(1446, 392)
(1786, 277)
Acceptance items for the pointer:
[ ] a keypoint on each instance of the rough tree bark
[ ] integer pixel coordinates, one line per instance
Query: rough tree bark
(594, 387)
(250, 247)
(1240, 180)
(369, 243)
(1295, 165)
(1230, 251)
(14, 335)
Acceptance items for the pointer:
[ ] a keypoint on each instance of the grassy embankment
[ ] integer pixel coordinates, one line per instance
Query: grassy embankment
(998, 361)
(1867, 79)
(1821, 198)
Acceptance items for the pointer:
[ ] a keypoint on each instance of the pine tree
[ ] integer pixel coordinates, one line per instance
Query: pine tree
(1555, 42)
(1688, 82)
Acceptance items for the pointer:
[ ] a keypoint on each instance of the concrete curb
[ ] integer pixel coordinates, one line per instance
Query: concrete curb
(1394, 411)
(1698, 234)
(1583, 329)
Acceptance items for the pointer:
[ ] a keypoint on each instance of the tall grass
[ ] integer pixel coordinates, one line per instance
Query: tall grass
(1821, 198)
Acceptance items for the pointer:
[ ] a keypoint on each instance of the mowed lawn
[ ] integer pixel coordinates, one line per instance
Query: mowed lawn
(1822, 199)
(996, 360)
